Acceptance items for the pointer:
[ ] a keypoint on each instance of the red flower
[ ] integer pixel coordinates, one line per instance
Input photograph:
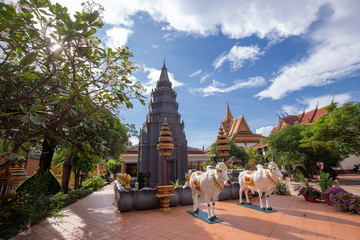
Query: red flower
(320, 165)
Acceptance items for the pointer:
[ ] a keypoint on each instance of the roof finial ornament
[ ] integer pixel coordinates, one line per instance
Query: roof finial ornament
(164, 62)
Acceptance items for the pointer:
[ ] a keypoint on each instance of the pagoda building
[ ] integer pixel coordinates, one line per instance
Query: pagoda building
(162, 105)
(238, 130)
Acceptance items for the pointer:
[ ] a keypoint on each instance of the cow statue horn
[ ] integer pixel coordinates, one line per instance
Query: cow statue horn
(266, 159)
(215, 158)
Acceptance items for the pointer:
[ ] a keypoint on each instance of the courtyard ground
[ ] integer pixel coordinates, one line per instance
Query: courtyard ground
(97, 217)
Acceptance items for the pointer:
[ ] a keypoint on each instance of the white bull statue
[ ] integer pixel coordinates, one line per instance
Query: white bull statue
(263, 180)
(209, 184)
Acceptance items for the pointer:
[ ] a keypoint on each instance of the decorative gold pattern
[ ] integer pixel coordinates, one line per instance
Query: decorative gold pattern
(269, 178)
(215, 182)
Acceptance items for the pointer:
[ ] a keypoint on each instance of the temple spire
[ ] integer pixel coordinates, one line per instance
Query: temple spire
(164, 78)
(228, 115)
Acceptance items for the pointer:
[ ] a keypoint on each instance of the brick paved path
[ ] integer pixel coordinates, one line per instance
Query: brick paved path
(97, 217)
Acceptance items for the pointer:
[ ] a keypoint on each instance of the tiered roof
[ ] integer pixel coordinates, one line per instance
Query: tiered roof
(304, 117)
(238, 129)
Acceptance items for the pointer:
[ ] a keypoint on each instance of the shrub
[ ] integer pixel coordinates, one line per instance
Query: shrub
(300, 174)
(93, 183)
(252, 163)
(48, 182)
(280, 189)
(308, 193)
(25, 211)
(13, 218)
(325, 181)
(347, 202)
(332, 192)
(61, 199)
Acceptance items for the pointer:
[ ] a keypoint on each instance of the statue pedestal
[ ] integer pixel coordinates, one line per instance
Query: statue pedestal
(164, 192)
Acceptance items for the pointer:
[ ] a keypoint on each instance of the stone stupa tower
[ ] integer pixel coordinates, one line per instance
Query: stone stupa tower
(163, 105)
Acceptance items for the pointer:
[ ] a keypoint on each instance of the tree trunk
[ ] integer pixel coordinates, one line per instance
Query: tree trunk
(67, 167)
(77, 179)
(47, 154)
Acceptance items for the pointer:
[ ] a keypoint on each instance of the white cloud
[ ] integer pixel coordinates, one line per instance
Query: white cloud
(292, 109)
(265, 131)
(237, 56)
(335, 53)
(310, 103)
(235, 19)
(154, 75)
(217, 87)
(330, 26)
(204, 77)
(195, 73)
(166, 28)
(325, 100)
(117, 37)
(155, 46)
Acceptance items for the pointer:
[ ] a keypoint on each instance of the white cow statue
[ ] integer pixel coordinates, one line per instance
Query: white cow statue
(263, 180)
(209, 184)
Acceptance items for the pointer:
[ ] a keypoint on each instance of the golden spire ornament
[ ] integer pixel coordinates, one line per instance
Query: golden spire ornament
(165, 144)
(166, 191)
(222, 144)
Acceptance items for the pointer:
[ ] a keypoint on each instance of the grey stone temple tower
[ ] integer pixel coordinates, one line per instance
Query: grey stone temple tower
(163, 104)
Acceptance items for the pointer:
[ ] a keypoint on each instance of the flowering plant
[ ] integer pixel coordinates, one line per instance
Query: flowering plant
(333, 191)
(347, 202)
(309, 193)
(343, 200)
(325, 181)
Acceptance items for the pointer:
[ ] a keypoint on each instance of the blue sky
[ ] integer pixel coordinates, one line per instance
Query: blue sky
(263, 57)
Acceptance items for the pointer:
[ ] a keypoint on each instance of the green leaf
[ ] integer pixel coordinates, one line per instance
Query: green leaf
(28, 59)
(34, 107)
(35, 119)
(91, 32)
(25, 118)
(8, 114)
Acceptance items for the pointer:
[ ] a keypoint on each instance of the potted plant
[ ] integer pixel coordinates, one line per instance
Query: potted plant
(309, 193)
(324, 183)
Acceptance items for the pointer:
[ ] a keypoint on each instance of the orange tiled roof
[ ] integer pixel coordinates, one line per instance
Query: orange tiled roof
(304, 117)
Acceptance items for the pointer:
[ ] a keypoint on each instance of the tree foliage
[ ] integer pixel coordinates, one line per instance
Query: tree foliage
(113, 166)
(286, 145)
(338, 130)
(54, 74)
(234, 151)
(254, 156)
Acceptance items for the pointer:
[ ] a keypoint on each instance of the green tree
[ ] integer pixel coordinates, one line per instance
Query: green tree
(113, 166)
(254, 156)
(105, 139)
(338, 130)
(55, 76)
(234, 151)
(286, 146)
